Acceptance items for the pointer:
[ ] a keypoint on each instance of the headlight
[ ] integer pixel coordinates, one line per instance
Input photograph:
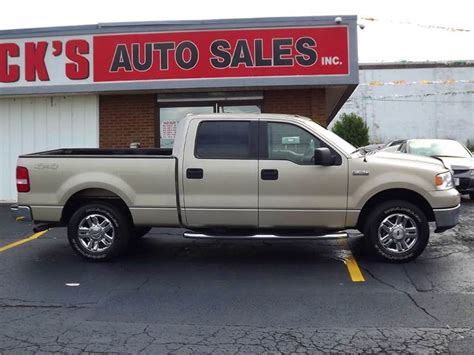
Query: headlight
(444, 181)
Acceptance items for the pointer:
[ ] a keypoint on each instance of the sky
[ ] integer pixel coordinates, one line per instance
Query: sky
(394, 30)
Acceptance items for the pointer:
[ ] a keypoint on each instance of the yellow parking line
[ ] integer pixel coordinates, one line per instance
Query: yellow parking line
(353, 268)
(19, 218)
(22, 241)
(351, 263)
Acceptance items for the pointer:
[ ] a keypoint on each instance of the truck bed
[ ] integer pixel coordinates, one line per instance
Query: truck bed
(97, 152)
(144, 179)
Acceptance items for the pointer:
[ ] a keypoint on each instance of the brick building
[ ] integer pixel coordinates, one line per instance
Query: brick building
(111, 85)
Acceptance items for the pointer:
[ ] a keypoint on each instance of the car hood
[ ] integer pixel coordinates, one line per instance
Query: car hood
(458, 163)
(407, 157)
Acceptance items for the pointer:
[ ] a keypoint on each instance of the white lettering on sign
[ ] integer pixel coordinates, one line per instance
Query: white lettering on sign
(331, 61)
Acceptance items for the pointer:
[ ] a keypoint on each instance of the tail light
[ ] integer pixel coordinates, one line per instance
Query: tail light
(22, 179)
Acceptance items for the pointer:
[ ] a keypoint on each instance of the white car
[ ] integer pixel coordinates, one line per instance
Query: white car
(453, 154)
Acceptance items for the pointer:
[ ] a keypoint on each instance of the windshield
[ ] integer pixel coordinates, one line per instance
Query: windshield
(334, 138)
(438, 148)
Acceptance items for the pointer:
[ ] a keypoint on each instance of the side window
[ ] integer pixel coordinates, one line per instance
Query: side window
(290, 142)
(223, 140)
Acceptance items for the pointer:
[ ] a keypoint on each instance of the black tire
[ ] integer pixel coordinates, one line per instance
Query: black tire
(121, 227)
(388, 211)
(471, 195)
(140, 232)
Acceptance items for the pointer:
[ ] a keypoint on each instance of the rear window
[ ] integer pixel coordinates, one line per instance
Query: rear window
(223, 140)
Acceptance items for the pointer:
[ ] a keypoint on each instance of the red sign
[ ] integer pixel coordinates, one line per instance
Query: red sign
(310, 55)
(295, 51)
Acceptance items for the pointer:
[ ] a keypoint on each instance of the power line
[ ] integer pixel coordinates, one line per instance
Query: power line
(434, 27)
(427, 101)
(403, 82)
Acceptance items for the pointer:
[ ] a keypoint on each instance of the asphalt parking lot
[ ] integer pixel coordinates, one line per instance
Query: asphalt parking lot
(183, 296)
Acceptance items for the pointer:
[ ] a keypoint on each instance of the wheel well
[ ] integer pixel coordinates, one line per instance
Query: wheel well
(82, 197)
(395, 194)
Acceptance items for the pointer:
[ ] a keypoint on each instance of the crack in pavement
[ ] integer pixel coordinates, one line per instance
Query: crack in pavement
(415, 286)
(18, 302)
(128, 338)
(441, 256)
(424, 310)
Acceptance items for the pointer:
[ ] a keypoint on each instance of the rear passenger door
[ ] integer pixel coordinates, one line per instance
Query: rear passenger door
(220, 173)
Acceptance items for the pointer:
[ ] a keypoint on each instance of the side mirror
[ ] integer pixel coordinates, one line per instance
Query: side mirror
(323, 156)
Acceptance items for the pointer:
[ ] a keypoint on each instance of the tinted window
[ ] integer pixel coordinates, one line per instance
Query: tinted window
(289, 142)
(223, 140)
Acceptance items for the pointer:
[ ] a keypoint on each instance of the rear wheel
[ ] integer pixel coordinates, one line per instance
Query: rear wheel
(99, 231)
(397, 231)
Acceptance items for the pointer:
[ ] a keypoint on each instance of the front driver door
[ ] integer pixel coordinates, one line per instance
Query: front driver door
(293, 192)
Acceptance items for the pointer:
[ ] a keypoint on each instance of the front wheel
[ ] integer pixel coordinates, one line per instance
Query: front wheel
(99, 231)
(397, 231)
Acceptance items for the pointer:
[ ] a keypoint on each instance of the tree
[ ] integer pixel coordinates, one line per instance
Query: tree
(352, 128)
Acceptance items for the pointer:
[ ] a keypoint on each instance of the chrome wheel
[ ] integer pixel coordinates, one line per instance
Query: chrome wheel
(96, 233)
(398, 233)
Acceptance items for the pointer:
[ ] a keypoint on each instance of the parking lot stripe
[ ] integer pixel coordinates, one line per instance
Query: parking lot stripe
(353, 268)
(22, 241)
(351, 262)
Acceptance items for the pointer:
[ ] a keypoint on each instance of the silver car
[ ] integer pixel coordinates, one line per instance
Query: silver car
(453, 154)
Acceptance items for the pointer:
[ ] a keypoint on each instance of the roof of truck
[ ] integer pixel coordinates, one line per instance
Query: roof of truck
(245, 116)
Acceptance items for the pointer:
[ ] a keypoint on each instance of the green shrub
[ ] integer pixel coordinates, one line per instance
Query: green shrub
(353, 129)
(470, 145)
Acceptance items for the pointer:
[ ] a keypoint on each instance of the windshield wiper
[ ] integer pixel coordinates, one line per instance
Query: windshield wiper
(449, 156)
(364, 151)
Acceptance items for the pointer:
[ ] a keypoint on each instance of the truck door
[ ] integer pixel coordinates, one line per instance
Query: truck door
(292, 190)
(220, 173)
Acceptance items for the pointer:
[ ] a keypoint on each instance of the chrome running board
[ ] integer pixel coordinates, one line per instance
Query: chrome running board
(337, 235)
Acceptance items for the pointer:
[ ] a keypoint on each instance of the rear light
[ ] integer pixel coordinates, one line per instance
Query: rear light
(22, 179)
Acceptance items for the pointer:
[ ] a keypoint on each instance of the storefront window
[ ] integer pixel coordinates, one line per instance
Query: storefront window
(240, 109)
(169, 118)
(170, 115)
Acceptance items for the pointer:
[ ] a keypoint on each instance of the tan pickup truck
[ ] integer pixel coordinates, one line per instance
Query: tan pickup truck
(239, 176)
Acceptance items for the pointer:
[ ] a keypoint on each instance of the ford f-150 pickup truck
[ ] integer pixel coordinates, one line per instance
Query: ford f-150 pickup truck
(239, 176)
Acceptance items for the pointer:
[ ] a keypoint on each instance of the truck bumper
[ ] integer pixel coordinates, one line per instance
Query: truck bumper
(21, 213)
(446, 218)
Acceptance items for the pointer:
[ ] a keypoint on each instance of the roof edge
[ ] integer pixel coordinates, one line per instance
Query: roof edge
(108, 27)
(409, 65)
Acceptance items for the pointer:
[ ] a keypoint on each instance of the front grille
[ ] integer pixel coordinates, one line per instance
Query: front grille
(456, 172)
(464, 183)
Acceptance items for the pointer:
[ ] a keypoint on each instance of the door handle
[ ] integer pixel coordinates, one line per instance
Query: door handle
(269, 174)
(194, 173)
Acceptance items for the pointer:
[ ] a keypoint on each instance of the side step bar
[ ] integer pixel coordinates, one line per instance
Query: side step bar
(337, 235)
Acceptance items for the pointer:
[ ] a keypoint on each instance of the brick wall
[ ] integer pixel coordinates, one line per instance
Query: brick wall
(124, 119)
(131, 118)
(304, 102)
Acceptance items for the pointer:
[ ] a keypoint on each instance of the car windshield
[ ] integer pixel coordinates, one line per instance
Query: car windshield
(438, 148)
(334, 138)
